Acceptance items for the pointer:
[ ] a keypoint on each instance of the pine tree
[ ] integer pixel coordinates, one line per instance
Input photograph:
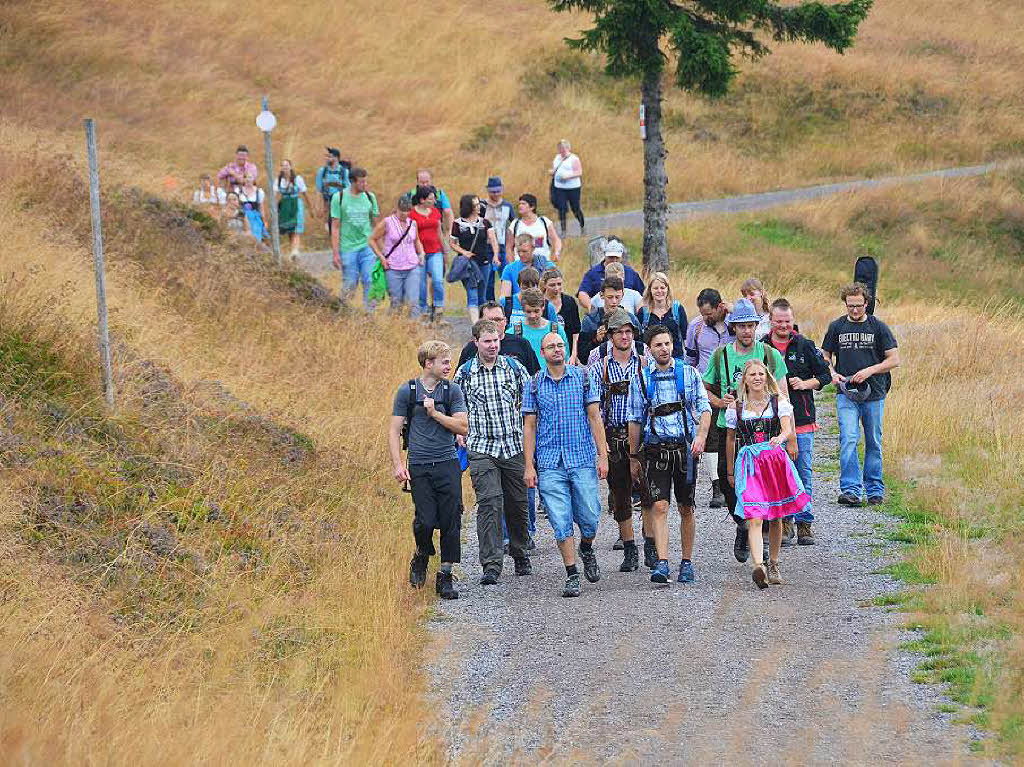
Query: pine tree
(703, 37)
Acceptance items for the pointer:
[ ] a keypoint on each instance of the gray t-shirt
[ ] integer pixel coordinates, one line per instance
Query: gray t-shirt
(429, 441)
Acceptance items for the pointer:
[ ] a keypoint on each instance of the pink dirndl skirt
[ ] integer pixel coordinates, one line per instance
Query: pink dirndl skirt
(767, 483)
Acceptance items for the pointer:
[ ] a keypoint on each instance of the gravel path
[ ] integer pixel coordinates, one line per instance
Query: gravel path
(630, 672)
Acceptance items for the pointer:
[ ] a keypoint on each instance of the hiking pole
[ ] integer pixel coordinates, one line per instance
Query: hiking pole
(266, 121)
(97, 255)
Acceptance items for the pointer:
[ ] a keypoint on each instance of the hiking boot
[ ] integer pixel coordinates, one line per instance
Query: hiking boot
(760, 576)
(740, 548)
(650, 554)
(804, 536)
(774, 577)
(445, 586)
(523, 566)
(788, 532)
(490, 577)
(686, 574)
(875, 500)
(849, 499)
(617, 546)
(630, 559)
(660, 573)
(717, 496)
(418, 570)
(590, 567)
(572, 586)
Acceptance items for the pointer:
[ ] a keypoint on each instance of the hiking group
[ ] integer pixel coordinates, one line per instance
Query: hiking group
(410, 253)
(638, 395)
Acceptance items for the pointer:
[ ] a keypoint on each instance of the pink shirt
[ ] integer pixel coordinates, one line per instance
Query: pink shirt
(234, 173)
(404, 255)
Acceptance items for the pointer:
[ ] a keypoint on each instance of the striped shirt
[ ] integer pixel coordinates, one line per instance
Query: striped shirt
(615, 407)
(494, 398)
(563, 431)
(670, 428)
(702, 339)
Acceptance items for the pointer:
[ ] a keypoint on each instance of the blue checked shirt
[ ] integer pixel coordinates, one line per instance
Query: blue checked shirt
(670, 428)
(563, 432)
(494, 400)
(616, 406)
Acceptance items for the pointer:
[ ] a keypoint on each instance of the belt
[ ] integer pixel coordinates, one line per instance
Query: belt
(618, 432)
(661, 447)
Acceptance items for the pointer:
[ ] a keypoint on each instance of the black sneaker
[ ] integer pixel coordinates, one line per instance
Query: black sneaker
(650, 554)
(572, 586)
(490, 577)
(849, 499)
(630, 559)
(590, 567)
(418, 570)
(445, 586)
(523, 566)
(617, 546)
(740, 548)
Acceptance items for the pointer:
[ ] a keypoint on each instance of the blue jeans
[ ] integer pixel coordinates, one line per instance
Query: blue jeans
(494, 275)
(570, 496)
(404, 288)
(478, 296)
(851, 416)
(805, 443)
(358, 265)
(434, 267)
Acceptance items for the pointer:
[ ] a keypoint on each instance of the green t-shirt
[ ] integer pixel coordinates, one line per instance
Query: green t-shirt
(353, 213)
(716, 372)
(534, 336)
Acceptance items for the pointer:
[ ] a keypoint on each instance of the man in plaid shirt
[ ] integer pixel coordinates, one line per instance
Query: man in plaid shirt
(564, 439)
(614, 370)
(493, 387)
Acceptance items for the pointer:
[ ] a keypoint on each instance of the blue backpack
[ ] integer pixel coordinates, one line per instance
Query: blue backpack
(647, 387)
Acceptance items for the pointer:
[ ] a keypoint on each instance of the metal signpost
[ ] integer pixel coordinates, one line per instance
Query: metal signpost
(97, 253)
(266, 121)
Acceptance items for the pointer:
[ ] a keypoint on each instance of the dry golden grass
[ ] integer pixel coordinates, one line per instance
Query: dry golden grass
(174, 84)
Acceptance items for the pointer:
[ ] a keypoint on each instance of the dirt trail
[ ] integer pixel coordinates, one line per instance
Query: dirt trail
(716, 670)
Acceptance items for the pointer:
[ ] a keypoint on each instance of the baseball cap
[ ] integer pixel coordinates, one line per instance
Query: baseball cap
(855, 392)
(614, 248)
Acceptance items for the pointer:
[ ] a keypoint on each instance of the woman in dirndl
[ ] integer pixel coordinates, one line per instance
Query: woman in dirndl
(760, 447)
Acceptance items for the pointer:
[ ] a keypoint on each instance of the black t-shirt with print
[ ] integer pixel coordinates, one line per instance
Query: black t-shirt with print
(858, 345)
(570, 314)
(472, 236)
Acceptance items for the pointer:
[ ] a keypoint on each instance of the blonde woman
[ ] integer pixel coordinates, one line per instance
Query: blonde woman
(760, 446)
(552, 282)
(566, 181)
(659, 308)
(754, 290)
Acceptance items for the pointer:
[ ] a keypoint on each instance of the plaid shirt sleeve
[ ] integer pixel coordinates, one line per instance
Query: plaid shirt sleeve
(594, 394)
(529, 401)
(636, 404)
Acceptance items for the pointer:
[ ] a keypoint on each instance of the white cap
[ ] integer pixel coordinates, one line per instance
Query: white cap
(614, 248)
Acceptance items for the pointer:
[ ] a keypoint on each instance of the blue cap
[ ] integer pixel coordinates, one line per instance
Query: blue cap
(742, 311)
(494, 182)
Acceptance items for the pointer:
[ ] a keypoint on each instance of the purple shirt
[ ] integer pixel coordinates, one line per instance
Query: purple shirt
(235, 174)
(404, 256)
(702, 339)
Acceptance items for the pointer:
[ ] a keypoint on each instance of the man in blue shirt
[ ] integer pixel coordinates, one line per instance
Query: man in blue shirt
(331, 177)
(668, 424)
(614, 251)
(566, 454)
(525, 258)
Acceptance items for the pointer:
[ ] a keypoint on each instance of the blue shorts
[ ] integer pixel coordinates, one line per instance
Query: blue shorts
(571, 496)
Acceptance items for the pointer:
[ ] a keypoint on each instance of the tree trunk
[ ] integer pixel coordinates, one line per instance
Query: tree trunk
(655, 179)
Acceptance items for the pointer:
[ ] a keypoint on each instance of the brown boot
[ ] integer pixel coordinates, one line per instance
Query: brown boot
(804, 536)
(787, 532)
(774, 576)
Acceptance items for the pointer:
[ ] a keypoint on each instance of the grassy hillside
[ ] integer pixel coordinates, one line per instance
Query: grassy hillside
(174, 84)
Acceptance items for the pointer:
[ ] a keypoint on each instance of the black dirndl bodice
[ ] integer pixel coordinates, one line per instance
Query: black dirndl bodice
(761, 429)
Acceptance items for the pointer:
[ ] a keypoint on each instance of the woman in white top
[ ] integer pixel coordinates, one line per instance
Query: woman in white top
(754, 290)
(208, 195)
(546, 242)
(290, 194)
(566, 180)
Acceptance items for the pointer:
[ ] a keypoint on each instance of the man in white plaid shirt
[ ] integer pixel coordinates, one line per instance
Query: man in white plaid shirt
(493, 386)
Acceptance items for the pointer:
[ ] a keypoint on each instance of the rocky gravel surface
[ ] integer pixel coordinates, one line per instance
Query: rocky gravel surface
(806, 672)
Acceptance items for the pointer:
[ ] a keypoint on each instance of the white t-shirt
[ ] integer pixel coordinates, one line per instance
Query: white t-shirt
(785, 408)
(631, 301)
(567, 165)
(300, 185)
(539, 230)
(216, 196)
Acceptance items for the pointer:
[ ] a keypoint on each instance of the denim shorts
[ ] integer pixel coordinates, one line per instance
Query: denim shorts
(571, 497)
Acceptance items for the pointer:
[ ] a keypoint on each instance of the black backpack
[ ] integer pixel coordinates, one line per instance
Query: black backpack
(865, 271)
(446, 402)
